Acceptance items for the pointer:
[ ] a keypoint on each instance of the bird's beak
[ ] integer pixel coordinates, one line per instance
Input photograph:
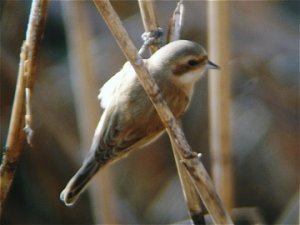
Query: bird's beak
(211, 65)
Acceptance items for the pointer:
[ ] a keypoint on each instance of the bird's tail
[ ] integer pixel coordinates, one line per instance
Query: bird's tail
(80, 180)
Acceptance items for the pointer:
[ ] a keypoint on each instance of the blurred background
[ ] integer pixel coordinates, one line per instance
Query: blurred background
(145, 188)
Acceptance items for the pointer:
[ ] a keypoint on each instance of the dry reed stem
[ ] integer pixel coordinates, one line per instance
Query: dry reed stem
(176, 23)
(27, 68)
(191, 195)
(149, 19)
(190, 159)
(220, 101)
(86, 104)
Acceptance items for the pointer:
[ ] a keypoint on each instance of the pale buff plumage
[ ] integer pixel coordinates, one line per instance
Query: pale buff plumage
(129, 120)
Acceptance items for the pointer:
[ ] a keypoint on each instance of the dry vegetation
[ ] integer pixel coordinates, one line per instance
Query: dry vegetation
(264, 65)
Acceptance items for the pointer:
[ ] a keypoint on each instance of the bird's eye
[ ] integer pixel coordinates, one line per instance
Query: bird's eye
(193, 62)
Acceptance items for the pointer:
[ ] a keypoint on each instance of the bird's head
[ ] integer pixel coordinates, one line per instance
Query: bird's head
(182, 62)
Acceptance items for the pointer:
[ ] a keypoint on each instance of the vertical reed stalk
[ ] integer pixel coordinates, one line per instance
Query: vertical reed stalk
(191, 195)
(149, 19)
(176, 21)
(27, 69)
(220, 100)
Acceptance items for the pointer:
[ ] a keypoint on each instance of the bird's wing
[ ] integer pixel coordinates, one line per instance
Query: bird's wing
(119, 135)
(124, 129)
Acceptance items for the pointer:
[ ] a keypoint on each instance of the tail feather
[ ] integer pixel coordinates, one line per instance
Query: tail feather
(79, 181)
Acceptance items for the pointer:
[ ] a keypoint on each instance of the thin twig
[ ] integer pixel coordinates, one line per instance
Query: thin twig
(149, 19)
(82, 77)
(27, 68)
(175, 24)
(220, 101)
(190, 159)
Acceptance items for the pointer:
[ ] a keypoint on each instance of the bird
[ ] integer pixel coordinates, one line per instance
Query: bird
(129, 120)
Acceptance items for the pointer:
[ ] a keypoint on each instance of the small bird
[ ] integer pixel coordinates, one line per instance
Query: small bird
(129, 120)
